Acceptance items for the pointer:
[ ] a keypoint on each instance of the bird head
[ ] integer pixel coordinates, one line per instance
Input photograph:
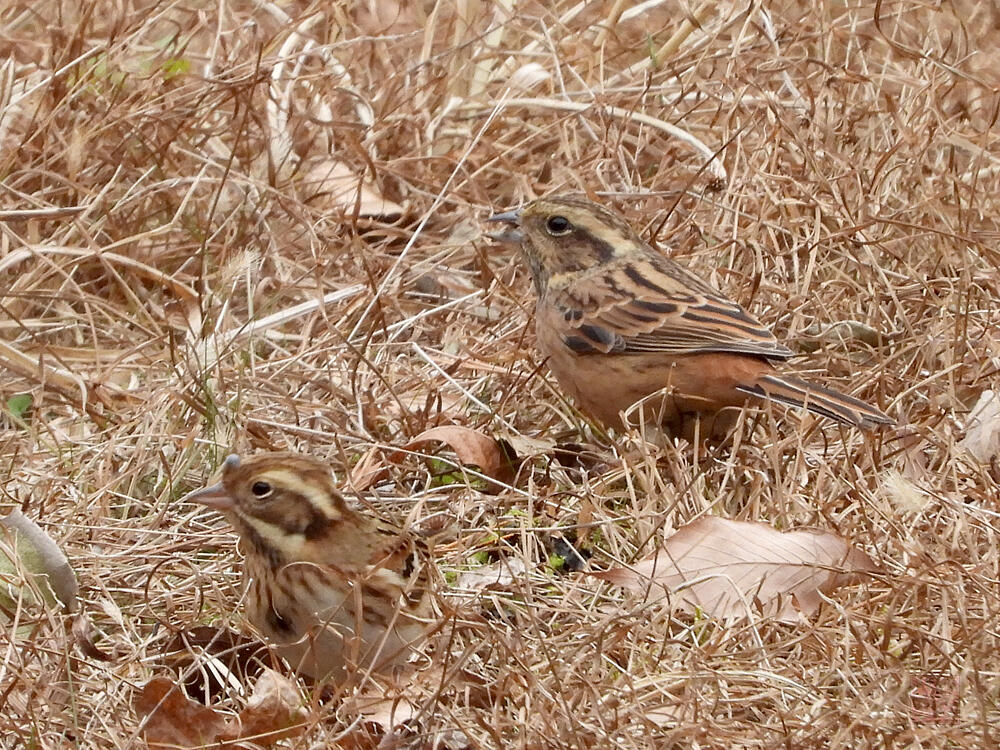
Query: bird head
(284, 504)
(566, 234)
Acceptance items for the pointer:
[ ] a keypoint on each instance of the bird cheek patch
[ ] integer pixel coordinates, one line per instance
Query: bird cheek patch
(317, 527)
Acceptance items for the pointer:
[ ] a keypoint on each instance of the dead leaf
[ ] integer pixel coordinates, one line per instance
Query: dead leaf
(391, 714)
(472, 448)
(170, 719)
(982, 429)
(333, 183)
(274, 711)
(728, 569)
(372, 468)
(214, 659)
(499, 574)
(844, 330)
(387, 711)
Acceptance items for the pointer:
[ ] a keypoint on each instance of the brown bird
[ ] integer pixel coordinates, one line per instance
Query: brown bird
(332, 588)
(618, 322)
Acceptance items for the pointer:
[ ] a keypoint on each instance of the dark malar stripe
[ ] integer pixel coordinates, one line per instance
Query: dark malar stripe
(603, 249)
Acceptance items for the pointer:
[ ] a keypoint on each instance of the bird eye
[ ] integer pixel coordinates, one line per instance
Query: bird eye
(261, 490)
(558, 225)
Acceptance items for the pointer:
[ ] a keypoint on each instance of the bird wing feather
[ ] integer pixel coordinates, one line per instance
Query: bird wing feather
(652, 305)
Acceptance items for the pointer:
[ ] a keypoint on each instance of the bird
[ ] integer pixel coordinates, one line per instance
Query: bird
(332, 588)
(618, 322)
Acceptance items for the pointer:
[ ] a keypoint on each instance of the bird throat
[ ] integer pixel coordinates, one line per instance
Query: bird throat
(254, 543)
(537, 269)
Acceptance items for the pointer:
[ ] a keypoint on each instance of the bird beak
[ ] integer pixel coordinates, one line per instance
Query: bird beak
(215, 496)
(511, 234)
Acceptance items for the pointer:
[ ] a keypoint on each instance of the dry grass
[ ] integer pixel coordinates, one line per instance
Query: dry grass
(157, 198)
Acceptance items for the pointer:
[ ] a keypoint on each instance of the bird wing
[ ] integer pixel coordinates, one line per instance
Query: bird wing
(653, 305)
(403, 558)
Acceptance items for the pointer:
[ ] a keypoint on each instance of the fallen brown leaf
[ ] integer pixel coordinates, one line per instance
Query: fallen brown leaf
(982, 429)
(372, 468)
(274, 711)
(213, 658)
(495, 575)
(472, 448)
(728, 569)
(392, 714)
(172, 720)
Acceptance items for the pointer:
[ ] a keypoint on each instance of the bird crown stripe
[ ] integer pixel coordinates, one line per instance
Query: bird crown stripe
(612, 236)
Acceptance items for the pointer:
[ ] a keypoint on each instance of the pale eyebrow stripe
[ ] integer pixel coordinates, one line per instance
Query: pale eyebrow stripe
(612, 235)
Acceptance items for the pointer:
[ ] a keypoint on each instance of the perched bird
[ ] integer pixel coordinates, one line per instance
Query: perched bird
(332, 588)
(619, 322)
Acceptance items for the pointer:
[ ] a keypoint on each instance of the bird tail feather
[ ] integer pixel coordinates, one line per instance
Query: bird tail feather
(818, 399)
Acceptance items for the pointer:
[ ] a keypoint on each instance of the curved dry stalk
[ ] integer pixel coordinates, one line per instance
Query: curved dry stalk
(711, 158)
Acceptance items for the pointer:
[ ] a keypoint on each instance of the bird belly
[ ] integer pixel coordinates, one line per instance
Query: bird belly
(686, 385)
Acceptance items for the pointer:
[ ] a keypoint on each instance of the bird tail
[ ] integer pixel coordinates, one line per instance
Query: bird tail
(817, 399)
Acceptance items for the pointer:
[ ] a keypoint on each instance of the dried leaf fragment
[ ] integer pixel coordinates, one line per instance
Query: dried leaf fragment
(729, 569)
(214, 658)
(171, 719)
(392, 714)
(982, 430)
(274, 711)
(472, 447)
(495, 575)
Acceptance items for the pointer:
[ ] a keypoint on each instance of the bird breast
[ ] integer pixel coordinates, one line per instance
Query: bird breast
(314, 615)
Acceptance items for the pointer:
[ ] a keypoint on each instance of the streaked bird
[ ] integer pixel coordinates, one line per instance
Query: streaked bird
(618, 322)
(332, 588)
